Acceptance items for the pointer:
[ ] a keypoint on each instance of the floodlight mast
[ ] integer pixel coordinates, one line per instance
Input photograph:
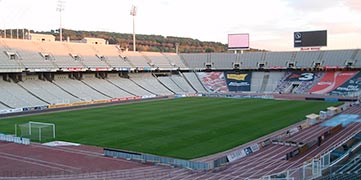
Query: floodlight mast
(133, 12)
(60, 8)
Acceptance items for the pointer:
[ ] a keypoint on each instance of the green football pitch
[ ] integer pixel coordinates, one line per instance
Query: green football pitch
(184, 128)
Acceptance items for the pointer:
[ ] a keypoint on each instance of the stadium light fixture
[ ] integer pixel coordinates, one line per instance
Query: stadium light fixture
(133, 12)
(60, 8)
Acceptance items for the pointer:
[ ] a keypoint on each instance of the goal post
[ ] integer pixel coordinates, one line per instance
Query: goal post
(42, 124)
(38, 131)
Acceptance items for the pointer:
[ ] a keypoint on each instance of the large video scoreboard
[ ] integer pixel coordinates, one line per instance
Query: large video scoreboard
(310, 39)
(238, 41)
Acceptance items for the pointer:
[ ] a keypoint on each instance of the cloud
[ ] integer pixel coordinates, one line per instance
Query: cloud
(313, 5)
(339, 28)
(353, 4)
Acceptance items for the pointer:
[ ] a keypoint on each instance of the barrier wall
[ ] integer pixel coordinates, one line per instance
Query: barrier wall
(14, 139)
(220, 161)
(157, 159)
(238, 96)
(6, 111)
(238, 154)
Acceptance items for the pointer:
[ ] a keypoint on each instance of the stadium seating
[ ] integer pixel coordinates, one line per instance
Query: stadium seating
(47, 91)
(194, 81)
(27, 55)
(195, 61)
(168, 82)
(177, 84)
(175, 60)
(358, 58)
(352, 166)
(48, 56)
(257, 79)
(87, 55)
(3, 106)
(305, 59)
(111, 55)
(337, 58)
(129, 86)
(79, 89)
(104, 87)
(30, 55)
(250, 60)
(183, 84)
(274, 78)
(350, 170)
(158, 60)
(296, 86)
(278, 59)
(36, 56)
(136, 59)
(60, 55)
(151, 84)
(223, 60)
(15, 96)
(7, 64)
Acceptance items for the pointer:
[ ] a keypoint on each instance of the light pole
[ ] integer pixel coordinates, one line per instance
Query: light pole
(60, 8)
(133, 12)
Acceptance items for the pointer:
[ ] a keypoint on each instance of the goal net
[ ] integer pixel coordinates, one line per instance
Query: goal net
(36, 131)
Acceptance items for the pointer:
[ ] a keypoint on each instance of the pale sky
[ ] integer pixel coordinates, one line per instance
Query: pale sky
(271, 23)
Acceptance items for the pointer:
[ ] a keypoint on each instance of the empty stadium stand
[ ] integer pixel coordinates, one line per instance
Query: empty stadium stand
(8, 61)
(79, 89)
(175, 60)
(278, 59)
(157, 60)
(194, 81)
(47, 91)
(195, 61)
(15, 96)
(87, 55)
(29, 59)
(274, 78)
(250, 60)
(168, 82)
(223, 60)
(136, 59)
(258, 81)
(183, 84)
(357, 58)
(104, 87)
(60, 55)
(28, 55)
(177, 84)
(111, 55)
(128, 85)
(150, 83)
(337, 58)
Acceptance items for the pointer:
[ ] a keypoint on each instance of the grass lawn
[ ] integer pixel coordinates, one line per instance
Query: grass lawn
(184, 128)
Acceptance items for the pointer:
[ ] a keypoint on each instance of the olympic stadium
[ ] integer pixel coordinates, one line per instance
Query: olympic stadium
(89, 109)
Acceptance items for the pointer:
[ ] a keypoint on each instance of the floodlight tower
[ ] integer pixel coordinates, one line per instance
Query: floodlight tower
(60, 8)
(133, 12)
